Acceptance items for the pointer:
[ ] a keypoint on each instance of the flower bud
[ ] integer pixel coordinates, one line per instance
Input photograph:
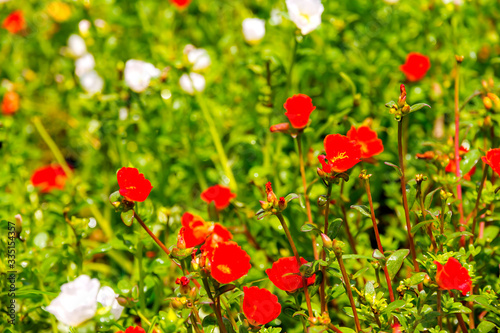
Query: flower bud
(327, 242)
(282, 127)
(19, 224)
(402, 97)
(178, 302)
(282, 204)
(271, 197)
(488, 104)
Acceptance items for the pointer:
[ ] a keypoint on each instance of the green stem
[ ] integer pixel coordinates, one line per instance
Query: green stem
(292, 63)
(214, 306)
(217, 142)
(322, 287)
(138, 256)
(299, 307)
(405, 200)
(347, 284)
(306, 195)
(299, 263)
(105, 225)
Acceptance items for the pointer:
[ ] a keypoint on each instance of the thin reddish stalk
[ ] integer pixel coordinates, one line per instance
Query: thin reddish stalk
(306, 195)
(297, 257)
(322, 286)
(377, 236)
(160, 244)
(457, 147)
(405, 201)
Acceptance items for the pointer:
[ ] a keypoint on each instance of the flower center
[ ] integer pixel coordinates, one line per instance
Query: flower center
(224, 269)
(340, 156)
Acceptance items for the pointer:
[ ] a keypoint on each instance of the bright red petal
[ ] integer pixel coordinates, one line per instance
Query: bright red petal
(260, 306)
(341, 152)
(230, 262)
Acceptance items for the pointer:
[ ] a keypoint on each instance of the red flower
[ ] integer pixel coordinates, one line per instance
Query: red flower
(341, 153)
(453, 276)
(298, 109)
(396, 328)
(370, 144)
(182, 281)
(14, 22)
(416, 66)
(218, 234)
(181, 3)
(285, 274)
(492, 158)
(260, 306)
(230, 262)
(10, 103)
(133, 185)
(194, 229)
(220, 195)
(132, 329)
(49, 178)
(452, 167)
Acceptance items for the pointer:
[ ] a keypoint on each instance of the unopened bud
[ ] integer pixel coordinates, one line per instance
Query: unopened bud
(19, 224)
(282, 204)
(327, 242)
(487, 121)
(459, 59)
(495, 99)
(321, 173)
(283, 127)
(402, 97)
(337, 247)
(178, 302)
(313, 320)
(181, 243)
(488, 103)
(484, 84)
(264, 204)
(420, 178)
(122, 301)
(271, 197)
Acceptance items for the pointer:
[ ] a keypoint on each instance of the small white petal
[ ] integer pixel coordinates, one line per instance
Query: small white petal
(91, 82)
(76, 46)
(107, 297)
(306, 14)
(138, 74)
(192, 82)
(199, 58)
(84, 64)
(254, 30)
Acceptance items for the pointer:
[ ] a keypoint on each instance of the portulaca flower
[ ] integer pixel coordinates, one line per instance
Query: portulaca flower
(455, 2)
(84, 27)
(138, 74)
(192, 82)
(254, 30)
(76, 46)
(107, 298)
(91, 82)
(84, 64)
(78, 299)
(306, 14)
(199, 58)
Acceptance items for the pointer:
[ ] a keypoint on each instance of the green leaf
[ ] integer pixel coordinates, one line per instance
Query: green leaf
(309, 227)
(347, 330)
(334, 228)
(429, 196)
(127, 217)
(378, 255)
(393, 306)
(398, 169)
(411, 192)
(418, 106)
(417, 278)
(419, 226)
(291, 196)
(390, 104)
(370, 293)
(362, 209)
(360, 272)
(356, 256)
(395, 261)
(485, 326)
(469, 160)
(224, 289)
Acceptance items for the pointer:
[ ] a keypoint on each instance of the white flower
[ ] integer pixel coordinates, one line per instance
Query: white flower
(199, 58)
(391, 2)
(138, 74)
(254, 30)
(84, 64)
(276, 17)
(306, 14)
(91, 82)
(76, 46)
(84, 27)
(77, 301)
(107, 298)
(192, 82)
